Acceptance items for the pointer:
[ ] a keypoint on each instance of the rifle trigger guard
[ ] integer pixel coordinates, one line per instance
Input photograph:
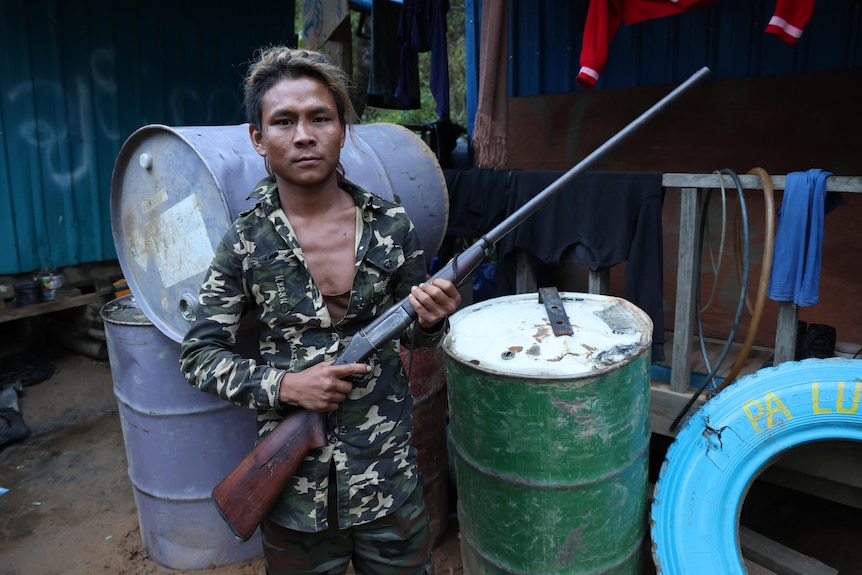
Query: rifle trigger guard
(556, 311)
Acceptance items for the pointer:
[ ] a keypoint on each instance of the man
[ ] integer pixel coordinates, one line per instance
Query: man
(317, 259)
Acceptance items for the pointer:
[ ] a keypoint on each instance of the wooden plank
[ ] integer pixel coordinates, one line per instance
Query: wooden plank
(599, 281)
(831, 470)
(783, 560)
(320, 20)
(851, 184)
(785, 332)
(13, 313)
(839, 489)
(695, 133)
(689, 224)
(665, 405)
(339, 47)
(754, 569)
(834, 460)
(525, 275)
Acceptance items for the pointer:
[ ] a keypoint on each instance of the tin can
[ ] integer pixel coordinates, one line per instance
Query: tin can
(27, 292)
(51, 280)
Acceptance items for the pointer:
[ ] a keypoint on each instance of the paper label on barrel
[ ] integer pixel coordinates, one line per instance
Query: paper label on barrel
(179, 242)
(136, 244)
(151, 203)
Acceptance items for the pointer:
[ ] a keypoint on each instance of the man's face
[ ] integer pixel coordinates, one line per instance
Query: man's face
(300, 134)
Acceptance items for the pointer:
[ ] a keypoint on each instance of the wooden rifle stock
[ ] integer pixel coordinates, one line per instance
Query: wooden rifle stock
(245, 496)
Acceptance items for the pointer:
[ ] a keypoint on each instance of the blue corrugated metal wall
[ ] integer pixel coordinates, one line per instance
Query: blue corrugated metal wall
(728, 36)
(76, 78)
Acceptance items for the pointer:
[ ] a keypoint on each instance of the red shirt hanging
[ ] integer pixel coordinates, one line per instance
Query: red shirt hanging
(605, 16)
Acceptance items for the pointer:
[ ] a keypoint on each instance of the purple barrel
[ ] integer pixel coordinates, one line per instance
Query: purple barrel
(180, 442)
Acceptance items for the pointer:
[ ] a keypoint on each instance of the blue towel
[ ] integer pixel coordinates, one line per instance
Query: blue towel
(796, 257)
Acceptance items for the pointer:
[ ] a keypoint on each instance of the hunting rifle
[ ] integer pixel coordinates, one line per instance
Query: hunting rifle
(244, 497)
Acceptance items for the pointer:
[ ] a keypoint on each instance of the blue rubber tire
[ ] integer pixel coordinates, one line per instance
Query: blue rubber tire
(733, 437)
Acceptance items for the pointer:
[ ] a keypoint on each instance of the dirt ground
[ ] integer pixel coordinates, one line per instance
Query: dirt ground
(70, 508)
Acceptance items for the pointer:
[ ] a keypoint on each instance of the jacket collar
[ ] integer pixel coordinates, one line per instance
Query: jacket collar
(266, 194)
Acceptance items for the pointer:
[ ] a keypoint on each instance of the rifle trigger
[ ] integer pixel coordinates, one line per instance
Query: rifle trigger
(556, 312)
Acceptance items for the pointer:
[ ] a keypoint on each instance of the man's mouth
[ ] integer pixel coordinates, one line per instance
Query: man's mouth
(306, 160)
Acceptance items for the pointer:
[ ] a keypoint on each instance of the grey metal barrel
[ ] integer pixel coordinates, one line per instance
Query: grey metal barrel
(175, 190)
(180, 442)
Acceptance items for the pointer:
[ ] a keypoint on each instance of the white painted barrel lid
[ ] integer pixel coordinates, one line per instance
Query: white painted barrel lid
(512, 335)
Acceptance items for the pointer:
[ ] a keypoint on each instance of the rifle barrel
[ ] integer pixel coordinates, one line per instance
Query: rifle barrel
(525, 211)
(397, 318)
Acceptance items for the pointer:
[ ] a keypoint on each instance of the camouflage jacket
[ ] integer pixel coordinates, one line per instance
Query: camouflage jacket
(259, 267)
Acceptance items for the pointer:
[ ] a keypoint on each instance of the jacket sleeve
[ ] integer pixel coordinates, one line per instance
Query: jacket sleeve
(412, 273)
(790, 19)
(603, 20)
(207, 359)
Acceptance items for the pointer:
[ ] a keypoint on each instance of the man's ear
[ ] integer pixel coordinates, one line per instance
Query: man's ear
(256, 140)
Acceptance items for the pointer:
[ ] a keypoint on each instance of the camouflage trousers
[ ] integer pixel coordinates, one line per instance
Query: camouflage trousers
(398, 544)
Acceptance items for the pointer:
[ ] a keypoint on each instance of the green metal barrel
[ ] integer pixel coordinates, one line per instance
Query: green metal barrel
(550, 434)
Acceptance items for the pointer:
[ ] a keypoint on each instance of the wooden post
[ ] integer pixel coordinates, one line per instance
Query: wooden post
(686, 280)
(785, 332)
(525, 275)
(339, 47)
(599, 281)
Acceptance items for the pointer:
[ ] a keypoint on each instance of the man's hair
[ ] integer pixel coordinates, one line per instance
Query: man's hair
(278, 62)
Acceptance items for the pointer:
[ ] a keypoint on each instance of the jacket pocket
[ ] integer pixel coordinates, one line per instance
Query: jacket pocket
(381, 266)
(281, 284)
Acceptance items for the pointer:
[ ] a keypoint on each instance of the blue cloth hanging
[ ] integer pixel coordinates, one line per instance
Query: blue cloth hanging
(796, 260)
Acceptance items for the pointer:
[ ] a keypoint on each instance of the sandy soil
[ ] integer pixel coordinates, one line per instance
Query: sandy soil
(70, 508)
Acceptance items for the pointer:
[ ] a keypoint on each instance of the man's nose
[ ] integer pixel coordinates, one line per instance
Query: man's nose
(304, 130)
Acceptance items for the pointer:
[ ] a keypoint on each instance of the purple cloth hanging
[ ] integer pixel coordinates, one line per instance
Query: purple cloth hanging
(423, 28)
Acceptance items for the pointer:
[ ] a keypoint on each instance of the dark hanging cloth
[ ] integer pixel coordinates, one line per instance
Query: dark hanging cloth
(477, 200)
(388, 61)
(423, 28)
(601, 219)
(477, 203)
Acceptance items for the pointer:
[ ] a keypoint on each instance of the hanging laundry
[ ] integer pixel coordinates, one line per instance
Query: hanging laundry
(605, 16)
(796, 259)
(389, 63)
(789, 19)
(422, 28)
(606, 218)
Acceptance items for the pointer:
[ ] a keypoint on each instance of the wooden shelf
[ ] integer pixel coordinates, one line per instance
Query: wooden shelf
(13, 313)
